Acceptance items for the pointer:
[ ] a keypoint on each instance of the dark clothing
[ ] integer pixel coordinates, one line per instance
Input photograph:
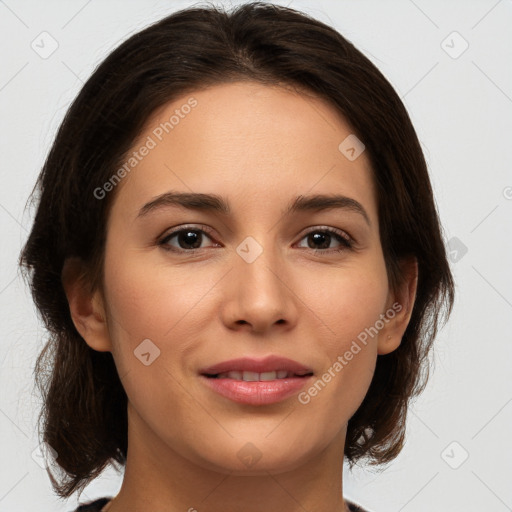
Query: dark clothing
(355, 508)
(97, 505)
(94, 506)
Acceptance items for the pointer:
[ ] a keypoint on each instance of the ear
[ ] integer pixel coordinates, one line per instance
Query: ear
(399, 308)
(87, 309)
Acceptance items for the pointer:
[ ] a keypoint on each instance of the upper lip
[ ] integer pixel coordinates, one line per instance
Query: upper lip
(267, 364)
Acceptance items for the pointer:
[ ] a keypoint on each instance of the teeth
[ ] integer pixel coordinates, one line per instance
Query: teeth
(231, 375)
(254, 376)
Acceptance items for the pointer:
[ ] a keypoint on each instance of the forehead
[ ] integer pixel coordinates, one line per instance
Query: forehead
(249, 141)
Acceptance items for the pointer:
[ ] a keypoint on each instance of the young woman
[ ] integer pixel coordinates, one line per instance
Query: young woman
(238, 256)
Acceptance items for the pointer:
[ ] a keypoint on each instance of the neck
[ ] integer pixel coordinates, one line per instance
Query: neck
(158, 478)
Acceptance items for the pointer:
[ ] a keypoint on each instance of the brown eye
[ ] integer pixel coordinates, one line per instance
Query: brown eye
(185, 239)
(321, 239)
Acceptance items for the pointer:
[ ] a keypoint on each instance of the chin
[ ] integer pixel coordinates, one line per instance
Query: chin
(259, 455)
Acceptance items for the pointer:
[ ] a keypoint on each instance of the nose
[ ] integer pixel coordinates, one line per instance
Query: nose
(259, 296)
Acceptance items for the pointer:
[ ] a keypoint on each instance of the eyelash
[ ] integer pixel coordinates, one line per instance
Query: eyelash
(347, 243)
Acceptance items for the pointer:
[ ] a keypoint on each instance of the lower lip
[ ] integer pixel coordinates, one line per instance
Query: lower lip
(257, 392)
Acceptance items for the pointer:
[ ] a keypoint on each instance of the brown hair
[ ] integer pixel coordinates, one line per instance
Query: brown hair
(84, 411)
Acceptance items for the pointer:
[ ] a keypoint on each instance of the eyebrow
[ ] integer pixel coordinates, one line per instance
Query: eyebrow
(215, 203)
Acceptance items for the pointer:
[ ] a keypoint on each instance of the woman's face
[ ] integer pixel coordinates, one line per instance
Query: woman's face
(260, 279)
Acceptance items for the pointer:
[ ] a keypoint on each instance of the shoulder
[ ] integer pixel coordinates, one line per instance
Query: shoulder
(93, 506)
(354, 507)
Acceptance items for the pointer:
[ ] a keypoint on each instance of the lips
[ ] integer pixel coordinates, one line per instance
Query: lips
(256, 377)
(257, 382)
(250, 369)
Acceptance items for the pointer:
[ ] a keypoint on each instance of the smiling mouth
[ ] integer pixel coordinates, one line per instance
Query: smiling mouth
(257, 377)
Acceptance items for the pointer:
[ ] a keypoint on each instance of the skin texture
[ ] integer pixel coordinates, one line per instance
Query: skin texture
(259, 147)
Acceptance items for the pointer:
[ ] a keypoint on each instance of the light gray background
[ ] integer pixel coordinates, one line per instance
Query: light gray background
(461, 108)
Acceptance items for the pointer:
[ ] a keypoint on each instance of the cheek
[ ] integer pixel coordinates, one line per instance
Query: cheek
(350, 305)
(146, 301)
(152, 298)
(348, 300)
(154, 314)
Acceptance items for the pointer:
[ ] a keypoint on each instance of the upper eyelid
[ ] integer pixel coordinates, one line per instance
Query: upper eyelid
(179, 229)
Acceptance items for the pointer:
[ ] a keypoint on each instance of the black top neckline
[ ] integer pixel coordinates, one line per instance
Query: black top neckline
(98, 504)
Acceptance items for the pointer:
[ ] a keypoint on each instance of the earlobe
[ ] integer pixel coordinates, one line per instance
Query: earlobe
(86, 308)
(389, 344)
(400, 307)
